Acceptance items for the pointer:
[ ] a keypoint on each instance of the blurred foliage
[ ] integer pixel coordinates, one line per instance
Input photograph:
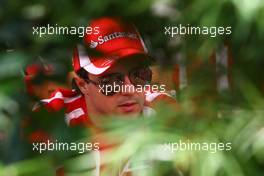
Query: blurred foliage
(235, 116)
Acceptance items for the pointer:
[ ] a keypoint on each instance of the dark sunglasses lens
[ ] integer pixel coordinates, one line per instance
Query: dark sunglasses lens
(110, 83)
(141, 76)
(138, 77)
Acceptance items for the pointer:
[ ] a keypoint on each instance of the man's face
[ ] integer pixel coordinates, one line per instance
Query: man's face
(126, 102)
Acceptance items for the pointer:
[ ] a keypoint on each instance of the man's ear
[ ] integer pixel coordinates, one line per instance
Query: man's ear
(81, 84)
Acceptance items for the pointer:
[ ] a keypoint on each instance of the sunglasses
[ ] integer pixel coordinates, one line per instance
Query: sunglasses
(138, 77)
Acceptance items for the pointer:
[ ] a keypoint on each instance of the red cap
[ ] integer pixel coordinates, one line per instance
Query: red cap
(113, 39)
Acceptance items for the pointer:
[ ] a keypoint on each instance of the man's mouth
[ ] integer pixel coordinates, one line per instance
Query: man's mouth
(128, 106)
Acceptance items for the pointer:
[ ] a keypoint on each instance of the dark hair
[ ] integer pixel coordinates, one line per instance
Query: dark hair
(82, 73)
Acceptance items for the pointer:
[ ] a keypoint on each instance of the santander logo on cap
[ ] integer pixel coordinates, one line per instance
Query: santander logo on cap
(102, 39)
(113, 35)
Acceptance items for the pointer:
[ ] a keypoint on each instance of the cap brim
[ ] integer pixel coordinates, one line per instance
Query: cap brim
(113, 57)
(91, 68)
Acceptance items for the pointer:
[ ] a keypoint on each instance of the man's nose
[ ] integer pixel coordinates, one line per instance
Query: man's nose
(127, 80)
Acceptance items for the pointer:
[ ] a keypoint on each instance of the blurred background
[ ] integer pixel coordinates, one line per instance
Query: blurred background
(218, 82)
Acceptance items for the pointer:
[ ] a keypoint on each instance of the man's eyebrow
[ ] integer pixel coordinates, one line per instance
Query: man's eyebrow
(139, 66)
(111, 73)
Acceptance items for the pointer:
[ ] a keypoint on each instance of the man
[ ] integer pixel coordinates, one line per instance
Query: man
(123, 61)
(113, 76)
